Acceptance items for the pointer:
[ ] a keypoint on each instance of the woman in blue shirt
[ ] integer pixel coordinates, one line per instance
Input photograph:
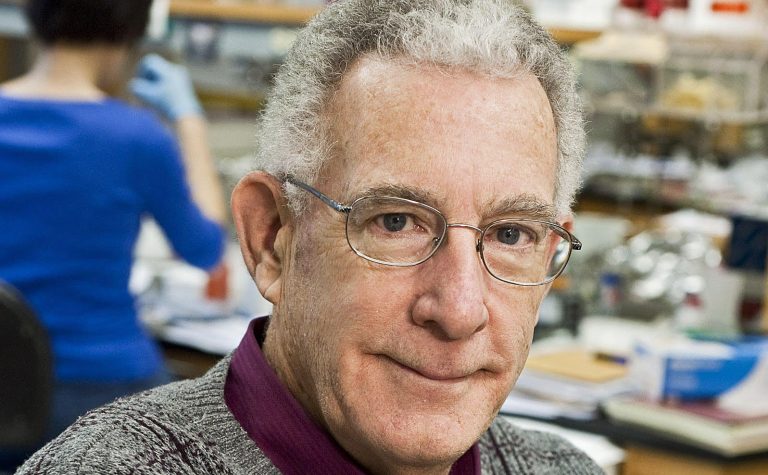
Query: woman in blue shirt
(78, 170)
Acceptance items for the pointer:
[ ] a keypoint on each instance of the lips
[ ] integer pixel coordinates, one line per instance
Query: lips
(441, 375)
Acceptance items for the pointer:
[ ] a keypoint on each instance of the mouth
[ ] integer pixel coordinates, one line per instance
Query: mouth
(440, 376)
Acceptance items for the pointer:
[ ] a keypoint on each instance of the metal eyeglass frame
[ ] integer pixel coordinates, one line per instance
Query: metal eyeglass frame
(575, 244)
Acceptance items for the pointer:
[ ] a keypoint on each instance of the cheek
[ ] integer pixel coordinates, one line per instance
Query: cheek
(513, 320)
(374, 303)
(351, 305)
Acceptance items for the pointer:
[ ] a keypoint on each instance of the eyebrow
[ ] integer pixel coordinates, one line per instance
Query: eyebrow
(400, 191)
(521, 206)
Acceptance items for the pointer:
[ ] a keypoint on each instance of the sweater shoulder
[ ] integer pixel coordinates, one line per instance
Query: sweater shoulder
(127, 436)
(505, 448)
(180, 428)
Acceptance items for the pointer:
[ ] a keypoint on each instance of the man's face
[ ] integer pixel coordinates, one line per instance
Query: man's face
(407, 366)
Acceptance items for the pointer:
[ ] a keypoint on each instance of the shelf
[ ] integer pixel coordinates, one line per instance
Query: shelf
(707, 116)
(242, 12)
(239, 11)
(569, 36)
(235, 11)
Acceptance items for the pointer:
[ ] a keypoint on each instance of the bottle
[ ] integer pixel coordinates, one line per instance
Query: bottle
(689, 314)
(217, 285)
(630, 15)
(610, 292)
(675, 17)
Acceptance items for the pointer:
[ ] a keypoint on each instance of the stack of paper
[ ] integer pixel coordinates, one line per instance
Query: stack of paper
(567, 383)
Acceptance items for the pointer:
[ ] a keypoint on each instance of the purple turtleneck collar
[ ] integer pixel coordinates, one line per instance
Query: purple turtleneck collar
(278, 424)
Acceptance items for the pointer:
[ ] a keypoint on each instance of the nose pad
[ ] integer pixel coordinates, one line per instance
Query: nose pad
(478, 243)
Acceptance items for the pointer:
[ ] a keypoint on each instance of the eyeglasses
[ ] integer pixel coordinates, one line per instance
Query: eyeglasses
(400, 232)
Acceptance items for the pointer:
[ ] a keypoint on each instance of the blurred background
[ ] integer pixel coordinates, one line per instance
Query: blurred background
(673, 213)
(676, 96)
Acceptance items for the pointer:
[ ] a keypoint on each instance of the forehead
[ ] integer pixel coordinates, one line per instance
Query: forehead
(455, 134)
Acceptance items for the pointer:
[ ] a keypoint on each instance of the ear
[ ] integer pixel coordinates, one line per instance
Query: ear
(566, 221)
(260, 215)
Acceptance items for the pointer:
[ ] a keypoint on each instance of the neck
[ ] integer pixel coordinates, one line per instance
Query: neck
(66, 72)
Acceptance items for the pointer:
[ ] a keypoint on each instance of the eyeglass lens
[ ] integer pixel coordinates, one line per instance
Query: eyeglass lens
(400, 232)
(394, 231)
(525, 251)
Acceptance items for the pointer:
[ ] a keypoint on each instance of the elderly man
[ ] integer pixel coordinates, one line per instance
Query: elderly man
(417, 163)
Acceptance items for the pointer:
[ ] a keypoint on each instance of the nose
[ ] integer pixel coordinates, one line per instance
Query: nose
(453, 302)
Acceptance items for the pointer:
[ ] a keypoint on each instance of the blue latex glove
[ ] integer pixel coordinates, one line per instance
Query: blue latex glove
(166, 87)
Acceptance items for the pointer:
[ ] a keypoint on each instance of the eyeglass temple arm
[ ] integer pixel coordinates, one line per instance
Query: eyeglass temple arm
(325, 199)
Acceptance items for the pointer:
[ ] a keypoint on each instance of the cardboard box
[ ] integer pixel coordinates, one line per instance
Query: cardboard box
(735, 372)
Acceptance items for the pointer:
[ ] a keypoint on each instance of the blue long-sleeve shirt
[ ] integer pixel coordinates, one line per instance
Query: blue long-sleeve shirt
(75, 180)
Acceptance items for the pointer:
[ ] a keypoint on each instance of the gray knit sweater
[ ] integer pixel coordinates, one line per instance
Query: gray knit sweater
(186, 428)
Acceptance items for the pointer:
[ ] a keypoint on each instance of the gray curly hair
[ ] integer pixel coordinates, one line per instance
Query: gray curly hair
(493, 37)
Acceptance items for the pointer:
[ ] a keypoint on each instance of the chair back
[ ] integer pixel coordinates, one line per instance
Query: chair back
(26, 372)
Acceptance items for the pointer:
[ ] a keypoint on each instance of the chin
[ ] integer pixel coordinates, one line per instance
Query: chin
(434, 439)
(384, 413)
(404, 437)
(430, 447)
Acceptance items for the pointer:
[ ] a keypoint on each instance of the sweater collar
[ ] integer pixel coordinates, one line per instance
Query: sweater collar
(278, 424)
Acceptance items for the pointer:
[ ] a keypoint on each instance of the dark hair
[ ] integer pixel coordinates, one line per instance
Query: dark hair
(88, 21)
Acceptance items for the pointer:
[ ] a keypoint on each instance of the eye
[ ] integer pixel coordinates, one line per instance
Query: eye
(394, 222)
(513, 235)
(393, 218)
(508, 236)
